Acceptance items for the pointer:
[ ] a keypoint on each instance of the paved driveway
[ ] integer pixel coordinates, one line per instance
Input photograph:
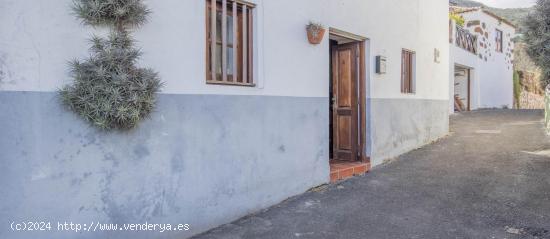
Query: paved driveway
(489, 179)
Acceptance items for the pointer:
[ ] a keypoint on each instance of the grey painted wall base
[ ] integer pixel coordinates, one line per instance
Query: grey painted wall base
(400, 125)
(204, 160)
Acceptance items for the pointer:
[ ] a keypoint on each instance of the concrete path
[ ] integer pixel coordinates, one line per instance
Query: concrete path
(489, 179)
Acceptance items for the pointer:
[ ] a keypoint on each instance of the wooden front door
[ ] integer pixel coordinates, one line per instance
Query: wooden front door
(344, 101)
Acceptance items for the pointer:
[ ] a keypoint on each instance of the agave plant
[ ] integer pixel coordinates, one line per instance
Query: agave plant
(132, 13)
(108, 89)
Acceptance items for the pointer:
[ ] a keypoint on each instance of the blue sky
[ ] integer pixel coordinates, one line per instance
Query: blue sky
(508, 3)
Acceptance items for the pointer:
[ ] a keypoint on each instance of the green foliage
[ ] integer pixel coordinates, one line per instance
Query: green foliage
(108, 89)
(119, 13)
(457, 18)
(517, 90)
(537, 37)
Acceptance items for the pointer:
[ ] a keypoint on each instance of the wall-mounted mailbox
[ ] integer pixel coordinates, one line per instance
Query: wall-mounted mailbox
(380, 64)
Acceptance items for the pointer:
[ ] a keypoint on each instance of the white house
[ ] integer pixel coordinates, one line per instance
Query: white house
(216, 148)
(481, 61)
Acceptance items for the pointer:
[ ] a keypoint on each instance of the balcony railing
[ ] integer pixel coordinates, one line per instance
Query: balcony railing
(466, 40)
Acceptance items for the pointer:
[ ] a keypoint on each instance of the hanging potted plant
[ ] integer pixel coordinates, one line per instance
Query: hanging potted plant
(315, 33)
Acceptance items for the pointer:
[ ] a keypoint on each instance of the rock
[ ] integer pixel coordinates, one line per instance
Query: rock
(512, 230)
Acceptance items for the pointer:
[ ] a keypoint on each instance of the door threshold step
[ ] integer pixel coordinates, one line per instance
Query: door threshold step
(341, 170)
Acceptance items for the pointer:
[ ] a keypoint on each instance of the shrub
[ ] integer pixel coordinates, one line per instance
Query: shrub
(108, 89)
(111, 12)
(457, 18)
(517, 90)
(537, 37)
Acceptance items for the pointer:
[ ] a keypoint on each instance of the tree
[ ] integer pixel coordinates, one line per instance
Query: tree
(108, 89)
(517, 90)
(537, 37)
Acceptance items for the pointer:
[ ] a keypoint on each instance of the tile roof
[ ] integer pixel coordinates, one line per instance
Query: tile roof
(461, 10)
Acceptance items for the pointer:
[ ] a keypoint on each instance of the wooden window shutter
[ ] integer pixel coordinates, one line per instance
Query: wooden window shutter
(229, 42)
(407, 71)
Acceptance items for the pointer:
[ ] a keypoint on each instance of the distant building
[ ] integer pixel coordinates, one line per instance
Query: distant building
(481, 60)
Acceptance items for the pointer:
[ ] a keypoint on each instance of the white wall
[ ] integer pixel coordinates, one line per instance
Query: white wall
(497, 86)
(37, 38)
(465, 59)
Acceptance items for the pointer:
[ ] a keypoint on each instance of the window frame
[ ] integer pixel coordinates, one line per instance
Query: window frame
(230, 80)
(499, 42)
(408, 71)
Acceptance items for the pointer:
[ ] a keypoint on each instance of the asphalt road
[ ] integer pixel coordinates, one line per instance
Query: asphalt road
(490, 178)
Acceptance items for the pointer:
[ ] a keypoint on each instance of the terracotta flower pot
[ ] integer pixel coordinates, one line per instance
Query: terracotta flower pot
(315, 36)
